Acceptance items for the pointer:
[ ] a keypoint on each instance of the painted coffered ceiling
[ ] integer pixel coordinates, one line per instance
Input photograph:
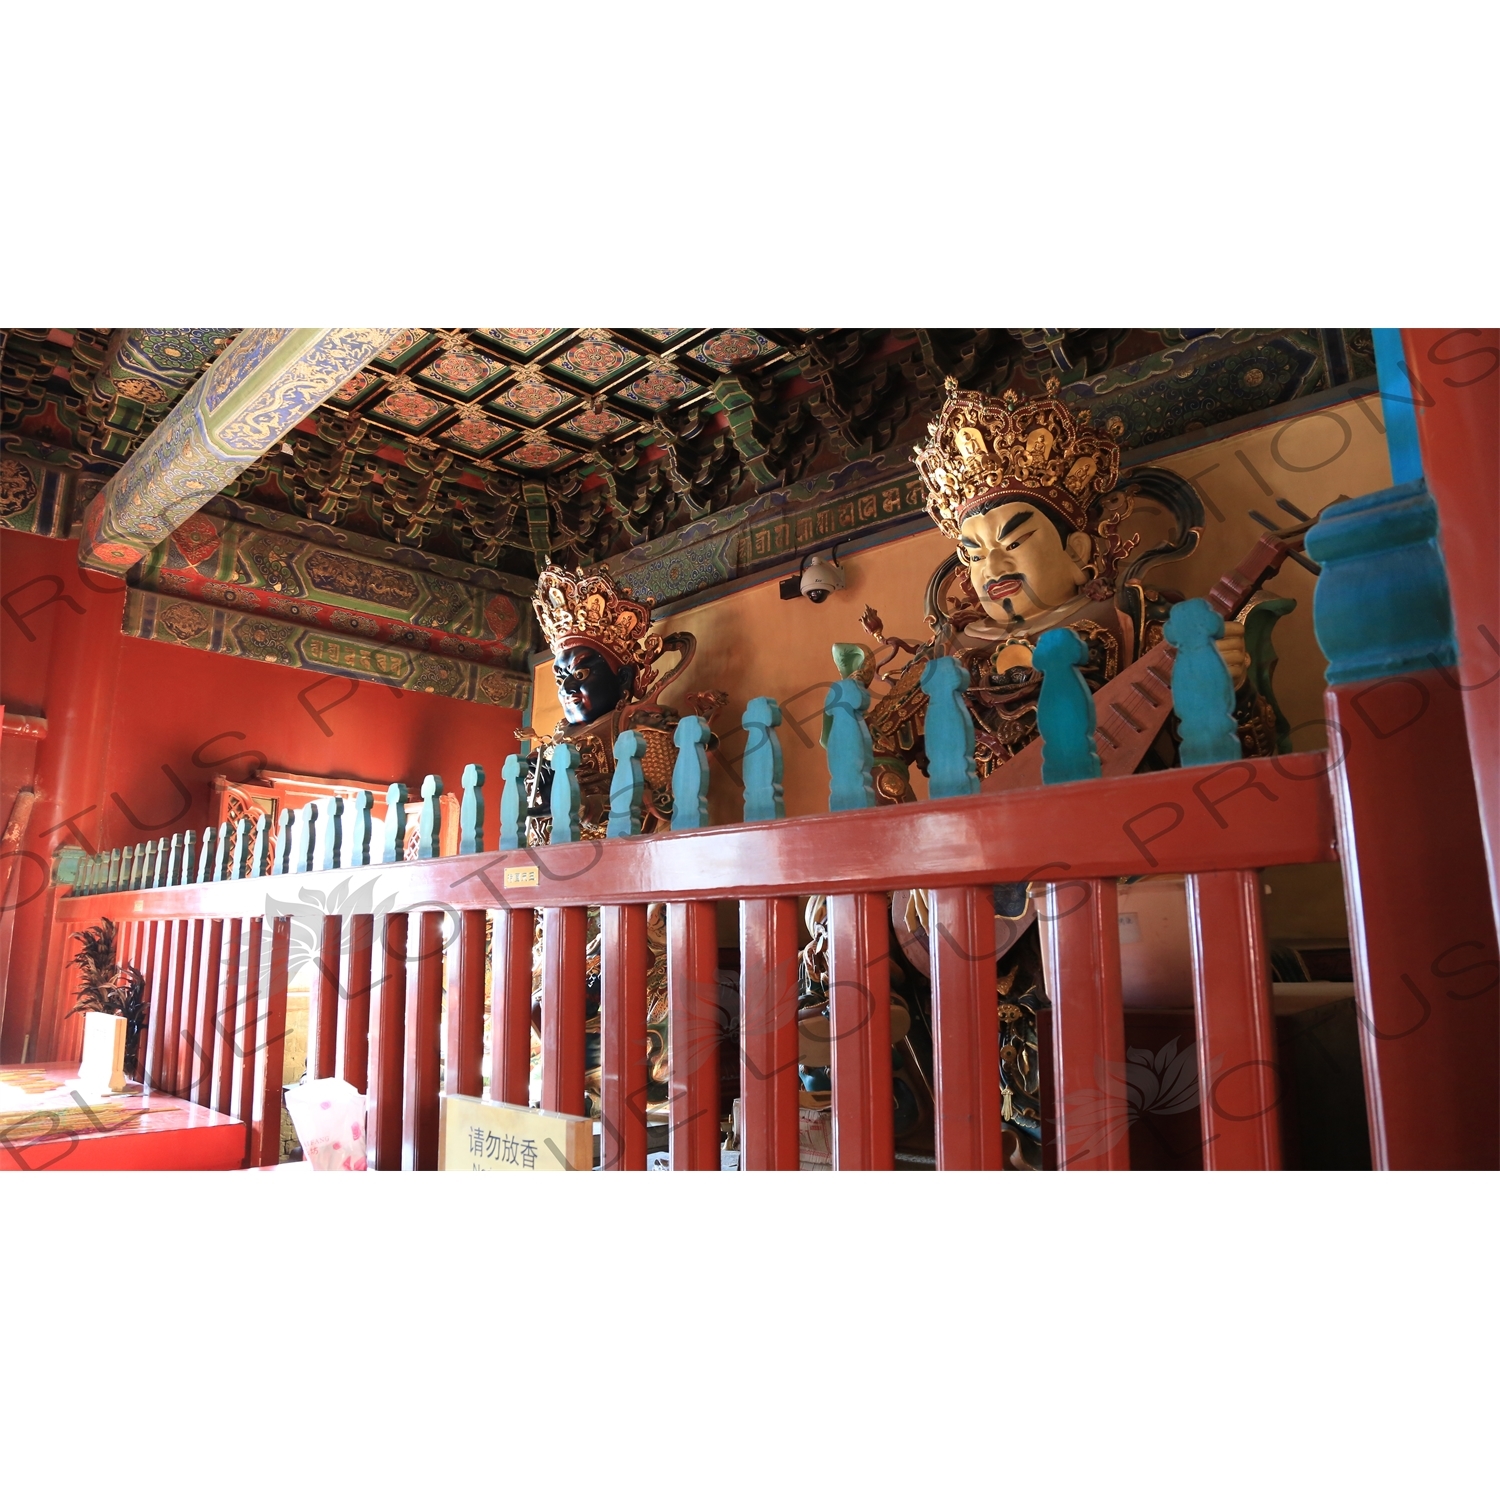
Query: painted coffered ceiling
(499, 447)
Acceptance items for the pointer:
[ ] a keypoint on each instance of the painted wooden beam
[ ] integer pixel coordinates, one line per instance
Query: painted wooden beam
(266, 382)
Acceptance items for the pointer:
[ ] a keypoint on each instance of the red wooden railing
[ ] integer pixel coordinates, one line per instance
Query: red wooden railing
(388, 989)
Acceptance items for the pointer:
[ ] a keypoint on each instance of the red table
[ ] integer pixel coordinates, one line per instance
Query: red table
(133, 1131)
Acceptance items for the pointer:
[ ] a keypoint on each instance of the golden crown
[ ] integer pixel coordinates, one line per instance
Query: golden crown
(574, 608)
(984, 449)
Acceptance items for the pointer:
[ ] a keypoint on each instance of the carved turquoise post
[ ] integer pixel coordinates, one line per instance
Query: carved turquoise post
(174, 860)
(1065, 709)
(162, 868)
(471, 811)
(761, 766)
(361, 829)
(286, 822)
(628, 787)
(259, 852)
(208, 850)
(690, 774)
(512, 804)
(1202, 690)
(224, 851)
(948, 730)
(393, 847)
(430, 820)
(148, 867)
(331, 840)
(189, 858)
(851, 752)
(565, 796)
(237, 870)
(307, 838)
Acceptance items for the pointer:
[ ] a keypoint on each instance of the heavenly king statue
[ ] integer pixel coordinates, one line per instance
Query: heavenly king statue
(606, 661)
(1032, 498)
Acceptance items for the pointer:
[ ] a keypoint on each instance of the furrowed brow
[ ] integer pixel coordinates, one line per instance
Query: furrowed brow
(1017, 520)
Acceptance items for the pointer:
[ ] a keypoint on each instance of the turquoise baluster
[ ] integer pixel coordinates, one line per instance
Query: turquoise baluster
(851, 752)
(430, 820)
(948, 730)
(1202, 689)
(762, 765)
(331, 842)
(393, 847)
(286, 823)
(513, 803)
(259, 852)
(361, 828)
(471, 811)
(690, 774)
(565, 795)
(207, 852)
(237, 869)
(627, 789)
(1065, 709)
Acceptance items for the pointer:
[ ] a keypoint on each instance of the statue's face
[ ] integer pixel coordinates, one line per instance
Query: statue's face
(586, 683)
(1018, 563)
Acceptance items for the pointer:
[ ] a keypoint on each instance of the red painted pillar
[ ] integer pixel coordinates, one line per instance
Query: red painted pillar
(625, 962)
(693, 1025)
(1237, 1070)
(859, 1010)
(1455, 376)
(1421, 925)
(564, 1007)
(768, 1034)
(1081, 938)
(510, 1005)
(69, 778)
(965, 1030)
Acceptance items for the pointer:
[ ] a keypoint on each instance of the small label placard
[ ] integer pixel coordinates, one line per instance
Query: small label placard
(518, 875)
(478, 1135)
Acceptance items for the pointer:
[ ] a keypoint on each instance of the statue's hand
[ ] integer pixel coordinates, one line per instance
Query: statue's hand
(1232, 651)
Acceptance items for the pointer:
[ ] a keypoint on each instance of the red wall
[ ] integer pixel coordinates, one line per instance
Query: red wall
(184, 709)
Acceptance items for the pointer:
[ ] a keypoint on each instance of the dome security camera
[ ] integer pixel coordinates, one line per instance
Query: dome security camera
(820, 577)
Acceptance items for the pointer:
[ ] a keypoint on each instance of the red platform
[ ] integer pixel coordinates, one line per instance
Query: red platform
(133, 1131)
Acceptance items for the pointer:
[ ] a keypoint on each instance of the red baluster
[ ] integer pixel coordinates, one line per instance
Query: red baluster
(206, 1004)
(693, 1025)
(353, 1058)
(270, 1049)
(225, 1049)
(168, 986)
(209, 1011)
(859, 986)
(422, 1067)
(564, 998)
(158, 1023)
(768, 1035)
(1080, 925)
(185, 959)
(965, 1029)
(464, 1073)
(624, 963)
(322, 1031)
(243, 1101)
(1232, 998)
(387, 1046)
(510, 1006)
(163, 977)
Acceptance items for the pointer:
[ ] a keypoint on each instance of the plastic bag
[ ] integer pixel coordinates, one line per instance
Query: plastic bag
(329, 1116)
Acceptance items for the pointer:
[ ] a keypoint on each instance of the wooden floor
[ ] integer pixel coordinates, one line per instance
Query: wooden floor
(49, 1122)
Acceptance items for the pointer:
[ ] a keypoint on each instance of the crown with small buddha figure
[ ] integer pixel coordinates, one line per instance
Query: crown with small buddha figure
(984, 450)
(590, 608)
